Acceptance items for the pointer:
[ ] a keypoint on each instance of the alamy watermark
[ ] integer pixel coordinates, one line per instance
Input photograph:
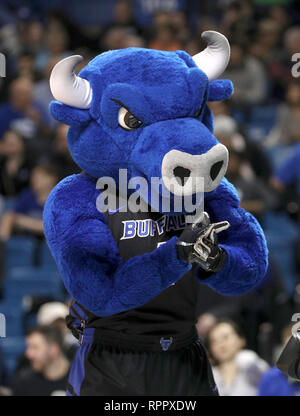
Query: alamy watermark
(2, 326)
(139, 195)
(296, 66)
(2, 66)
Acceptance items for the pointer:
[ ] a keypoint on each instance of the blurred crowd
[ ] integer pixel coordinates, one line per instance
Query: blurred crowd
(260, 125)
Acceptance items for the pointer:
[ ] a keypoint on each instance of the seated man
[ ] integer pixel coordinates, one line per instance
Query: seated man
(49, 373)
(27, 214)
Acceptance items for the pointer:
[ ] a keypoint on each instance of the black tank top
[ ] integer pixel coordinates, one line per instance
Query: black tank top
(173, 311)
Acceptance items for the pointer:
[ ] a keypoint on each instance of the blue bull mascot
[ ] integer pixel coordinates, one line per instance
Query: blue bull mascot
(134, 115)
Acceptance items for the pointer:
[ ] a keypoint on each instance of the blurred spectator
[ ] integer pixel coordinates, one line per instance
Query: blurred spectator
(21, 113)
(31, 36)
(9, 39)
(178, 21)
(135, 41)
(227, 132)
(28, 212)
(14, 164)
(27, 215)
(61, 156)
(274, 382)
(238, 19)
(54, 313)
(35, 37)
(49, 373)
(170, 31)
(289, 171)
(265, 47)
(287, 127)
(280, 69)
(57, 47)
(253, 192)
(59, 20)
(291, 40)
(237, 371)
(123, 17)
(281, 16)
(25, 65)
(114, 38)
(165, 39)
(204, 323)
(254, 195)
(220, 108)
(248, 76)
(42, 92)
(124, 31)
(265, 307)
(286, 179)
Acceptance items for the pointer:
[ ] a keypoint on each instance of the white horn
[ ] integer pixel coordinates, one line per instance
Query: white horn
(67, 87)
(214, 59)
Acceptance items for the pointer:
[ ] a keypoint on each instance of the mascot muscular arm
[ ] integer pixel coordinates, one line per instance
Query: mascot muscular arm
(145, 111)
(87, 255)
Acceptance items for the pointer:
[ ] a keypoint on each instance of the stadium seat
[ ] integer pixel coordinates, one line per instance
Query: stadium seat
(46, 260)
(19, 251)
(30, 273)
(262, 120)
(8, 203)
(281, 234)
(21, 281)
(277, 154)
(12, 348)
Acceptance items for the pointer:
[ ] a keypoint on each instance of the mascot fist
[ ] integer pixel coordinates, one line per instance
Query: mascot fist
(198, 244)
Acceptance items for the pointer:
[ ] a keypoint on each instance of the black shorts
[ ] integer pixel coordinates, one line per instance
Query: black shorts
(109, 370)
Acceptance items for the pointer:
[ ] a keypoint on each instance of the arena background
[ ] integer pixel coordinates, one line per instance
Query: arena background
(259, 125)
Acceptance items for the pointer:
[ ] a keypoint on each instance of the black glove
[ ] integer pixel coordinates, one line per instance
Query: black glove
(198, 244)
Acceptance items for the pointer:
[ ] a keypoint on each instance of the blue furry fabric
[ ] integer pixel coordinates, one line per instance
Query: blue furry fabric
(168, 94)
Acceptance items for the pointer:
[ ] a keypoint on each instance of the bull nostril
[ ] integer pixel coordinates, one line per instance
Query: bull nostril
(215, 169)
(181, 174)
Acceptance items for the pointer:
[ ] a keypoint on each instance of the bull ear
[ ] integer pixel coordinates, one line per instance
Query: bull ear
(69, 115)
(220, 89)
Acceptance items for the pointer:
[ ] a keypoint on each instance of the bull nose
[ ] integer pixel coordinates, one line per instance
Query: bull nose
(194, 173)
(181, 174)
(215, 169)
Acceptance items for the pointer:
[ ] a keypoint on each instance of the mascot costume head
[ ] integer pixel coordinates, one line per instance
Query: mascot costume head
(144, 111)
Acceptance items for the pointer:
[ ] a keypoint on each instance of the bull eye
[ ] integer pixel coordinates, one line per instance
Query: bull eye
(127, 120)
